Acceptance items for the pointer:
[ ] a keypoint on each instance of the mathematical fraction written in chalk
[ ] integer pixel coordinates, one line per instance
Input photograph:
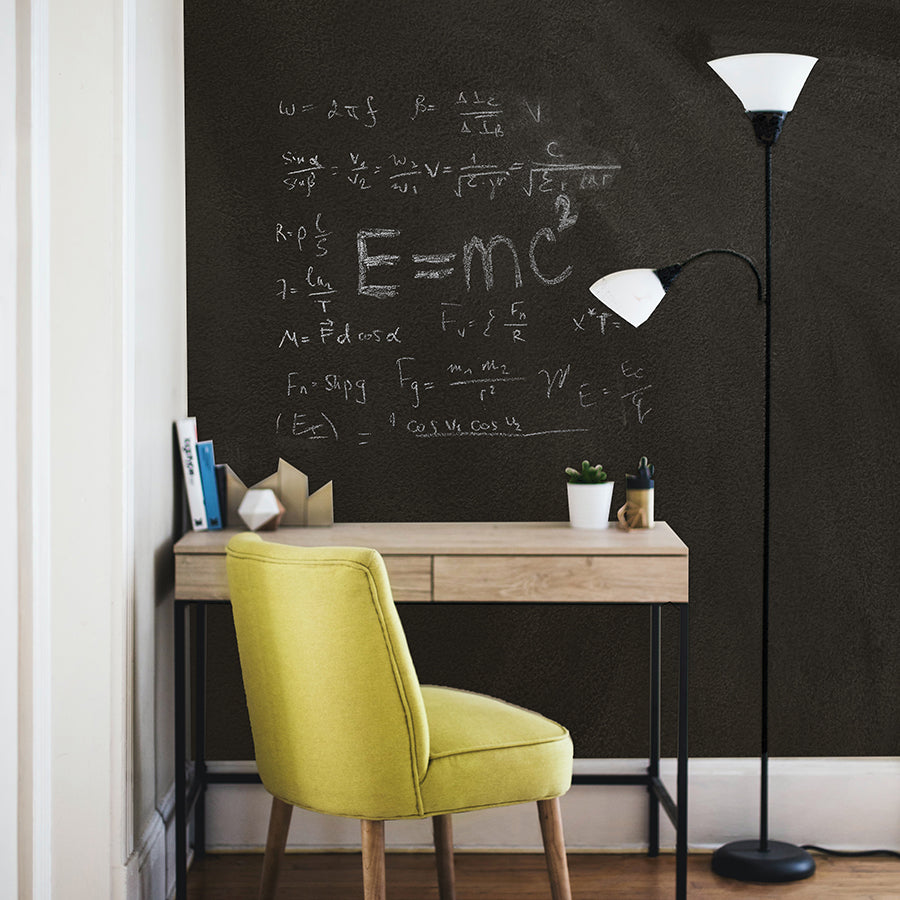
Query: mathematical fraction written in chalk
(408, 174)
(507, 322)
(474, 112)
(482, 380)
(314, 285)
(490, 379)
(309, 239)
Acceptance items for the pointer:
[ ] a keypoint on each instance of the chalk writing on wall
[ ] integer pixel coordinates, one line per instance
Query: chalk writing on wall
(356, 291)
(408, 277)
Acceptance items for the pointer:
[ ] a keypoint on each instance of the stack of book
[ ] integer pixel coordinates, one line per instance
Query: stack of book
(204, 481)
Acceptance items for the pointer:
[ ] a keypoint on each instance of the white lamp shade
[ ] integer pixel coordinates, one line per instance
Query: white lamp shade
(632, 294)
(765, 82)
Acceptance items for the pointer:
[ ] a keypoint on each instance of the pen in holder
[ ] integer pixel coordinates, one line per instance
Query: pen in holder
(638, 509)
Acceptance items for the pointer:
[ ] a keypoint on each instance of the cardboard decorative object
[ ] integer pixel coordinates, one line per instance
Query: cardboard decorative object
(234, 493)
(320, 506)
(291, 486)
(261, 510)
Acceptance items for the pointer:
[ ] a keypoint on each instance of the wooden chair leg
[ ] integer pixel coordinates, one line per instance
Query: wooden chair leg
(279, 822)
(554, 848)
(374, 881)
(443, 854)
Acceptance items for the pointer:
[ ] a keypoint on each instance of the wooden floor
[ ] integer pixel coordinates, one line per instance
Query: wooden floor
(496, 876)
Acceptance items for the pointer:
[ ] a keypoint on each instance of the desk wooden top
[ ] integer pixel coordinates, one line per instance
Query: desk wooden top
(461, 539)
(504, 562)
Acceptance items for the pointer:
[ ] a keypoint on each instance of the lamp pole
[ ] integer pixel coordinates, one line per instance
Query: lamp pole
(764, 860)
(767, 494)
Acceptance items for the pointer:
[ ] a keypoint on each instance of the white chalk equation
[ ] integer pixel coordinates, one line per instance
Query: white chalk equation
(393, 323)
(361, 110)
(339, 334)
(507, 426)
(434, 401)
(317, 425)
(306, 171)
(314, 287)
(375, 265)
(508, 322)
(481, 379)
(352, 389)
(488, 380)
(472, 113)
(309, 239)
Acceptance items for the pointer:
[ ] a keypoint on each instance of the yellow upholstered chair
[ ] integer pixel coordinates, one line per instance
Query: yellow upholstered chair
(342, 726)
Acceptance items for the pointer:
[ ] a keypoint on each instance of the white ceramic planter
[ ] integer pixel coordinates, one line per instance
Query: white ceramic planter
(589, 504)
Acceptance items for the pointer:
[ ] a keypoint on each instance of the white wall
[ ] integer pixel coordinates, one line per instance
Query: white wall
(9, 548)
(84, 362)
(160, 382)
(96, 380)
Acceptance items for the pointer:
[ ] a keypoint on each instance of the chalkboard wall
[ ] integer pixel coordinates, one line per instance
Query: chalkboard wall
(394, 212)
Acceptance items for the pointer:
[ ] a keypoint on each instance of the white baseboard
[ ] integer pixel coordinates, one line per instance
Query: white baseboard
(150, 871)
(166, 811)
(846, 803)
(145, 871)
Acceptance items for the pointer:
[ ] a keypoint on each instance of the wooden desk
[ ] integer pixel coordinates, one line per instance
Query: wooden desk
(462, 562)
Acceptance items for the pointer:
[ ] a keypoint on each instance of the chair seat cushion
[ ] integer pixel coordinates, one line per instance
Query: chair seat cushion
(485, 752)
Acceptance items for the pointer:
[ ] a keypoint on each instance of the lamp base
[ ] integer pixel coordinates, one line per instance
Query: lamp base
(744, 861)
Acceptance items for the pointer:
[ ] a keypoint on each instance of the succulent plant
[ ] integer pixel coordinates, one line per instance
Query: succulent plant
(587, 475)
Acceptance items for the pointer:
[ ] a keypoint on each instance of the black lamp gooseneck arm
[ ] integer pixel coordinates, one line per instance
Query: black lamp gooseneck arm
(730, 252)
(668, 274)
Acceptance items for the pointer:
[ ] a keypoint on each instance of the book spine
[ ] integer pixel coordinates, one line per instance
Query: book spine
(222, 491)
(187, 443)
(207, 461)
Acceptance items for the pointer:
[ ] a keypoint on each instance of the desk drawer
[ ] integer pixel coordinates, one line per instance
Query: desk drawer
(410, 577)
(566, 579)
(201, 576)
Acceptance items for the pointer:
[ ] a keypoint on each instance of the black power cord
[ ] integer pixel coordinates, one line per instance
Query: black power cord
(825, 850)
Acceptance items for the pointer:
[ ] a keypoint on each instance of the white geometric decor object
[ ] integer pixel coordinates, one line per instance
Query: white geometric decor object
(261, 510)
(292, 487)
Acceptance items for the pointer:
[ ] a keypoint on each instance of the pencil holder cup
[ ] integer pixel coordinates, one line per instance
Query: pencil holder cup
(641, 500)
(638, 509)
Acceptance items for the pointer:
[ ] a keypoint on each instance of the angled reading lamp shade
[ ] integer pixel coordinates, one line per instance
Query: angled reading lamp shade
(768, 85)
(634, 294)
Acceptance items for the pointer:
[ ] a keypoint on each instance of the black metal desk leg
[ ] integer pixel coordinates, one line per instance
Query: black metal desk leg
(199, 700)
(180, 756)
(681, 838)
(653, 768)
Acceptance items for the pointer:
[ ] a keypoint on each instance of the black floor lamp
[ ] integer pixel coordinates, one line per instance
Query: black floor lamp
(768, 85)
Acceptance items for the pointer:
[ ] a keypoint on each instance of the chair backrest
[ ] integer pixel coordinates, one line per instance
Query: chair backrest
(338, 719)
